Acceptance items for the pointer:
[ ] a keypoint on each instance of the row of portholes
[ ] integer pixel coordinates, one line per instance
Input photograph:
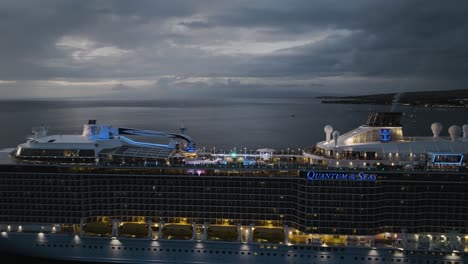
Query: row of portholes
(215, 252)
(382, 259)
(317, 248)
(223, 252)
(241, 253)
(67, 246)
(425, 253)
(412, 261)
(187, 251)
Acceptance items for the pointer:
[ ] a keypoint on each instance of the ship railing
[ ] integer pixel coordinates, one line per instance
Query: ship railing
(341, 157)
(288, 166)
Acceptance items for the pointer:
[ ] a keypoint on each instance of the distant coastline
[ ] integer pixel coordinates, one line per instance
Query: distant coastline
(450, 98)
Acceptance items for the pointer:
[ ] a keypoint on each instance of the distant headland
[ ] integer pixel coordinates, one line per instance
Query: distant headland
(449, 98)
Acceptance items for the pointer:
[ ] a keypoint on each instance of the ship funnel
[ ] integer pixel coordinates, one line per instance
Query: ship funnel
(90, 129)
(436, 129)
(384, 119)
(465, 132)
(454, 132)
(336, 134)
(328, 130)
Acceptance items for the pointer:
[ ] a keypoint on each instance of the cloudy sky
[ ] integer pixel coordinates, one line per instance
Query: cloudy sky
(162, 49)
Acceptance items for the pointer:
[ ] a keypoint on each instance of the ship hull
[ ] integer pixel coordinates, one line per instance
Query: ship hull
(130, 250)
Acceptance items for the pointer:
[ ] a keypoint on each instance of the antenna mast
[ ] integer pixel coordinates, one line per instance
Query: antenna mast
(182, 128)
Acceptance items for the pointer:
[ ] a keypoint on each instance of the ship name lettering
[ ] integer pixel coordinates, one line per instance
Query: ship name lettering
(361, 176)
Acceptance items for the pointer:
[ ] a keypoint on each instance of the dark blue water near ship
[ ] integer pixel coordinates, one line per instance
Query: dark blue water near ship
(245, 124)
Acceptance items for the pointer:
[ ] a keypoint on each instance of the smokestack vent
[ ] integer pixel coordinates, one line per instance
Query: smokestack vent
(465, 132)
(384, 119)
(328, 131)
(336, 134)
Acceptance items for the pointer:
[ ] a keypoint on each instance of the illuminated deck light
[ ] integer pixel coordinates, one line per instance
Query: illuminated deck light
(115, 242)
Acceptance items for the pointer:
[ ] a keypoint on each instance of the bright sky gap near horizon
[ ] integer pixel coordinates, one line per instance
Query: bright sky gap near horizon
(198, 49)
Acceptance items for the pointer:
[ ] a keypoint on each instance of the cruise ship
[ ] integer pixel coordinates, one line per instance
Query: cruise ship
(125, 195)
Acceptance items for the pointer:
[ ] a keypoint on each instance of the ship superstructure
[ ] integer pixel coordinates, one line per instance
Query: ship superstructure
(103, 196)
(380, 142)
(102, 144)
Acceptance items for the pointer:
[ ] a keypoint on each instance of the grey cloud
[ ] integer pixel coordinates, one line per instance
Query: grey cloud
(402, 39)
(178, 88)
(121, 87)
(395, 40)
(196, 24)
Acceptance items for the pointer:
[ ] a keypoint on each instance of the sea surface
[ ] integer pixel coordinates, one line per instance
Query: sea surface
(287, 124)
(244, 124)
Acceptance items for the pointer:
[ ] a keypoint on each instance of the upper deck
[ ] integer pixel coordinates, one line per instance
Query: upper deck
(381, 141)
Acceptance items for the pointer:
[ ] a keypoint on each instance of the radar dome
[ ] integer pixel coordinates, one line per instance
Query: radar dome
(454, 131)
(328, 130)
(436, 129)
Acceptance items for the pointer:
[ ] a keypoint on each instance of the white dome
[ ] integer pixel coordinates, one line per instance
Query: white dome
(454, 131)
(328, 129)
(436, 129)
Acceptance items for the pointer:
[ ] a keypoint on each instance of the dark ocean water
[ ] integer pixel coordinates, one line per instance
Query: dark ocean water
(242, 123)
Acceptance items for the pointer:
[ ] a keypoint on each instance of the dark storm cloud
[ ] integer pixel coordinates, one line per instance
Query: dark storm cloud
(31, 29)
(387, 38)
(124, 40)
(27, 32)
